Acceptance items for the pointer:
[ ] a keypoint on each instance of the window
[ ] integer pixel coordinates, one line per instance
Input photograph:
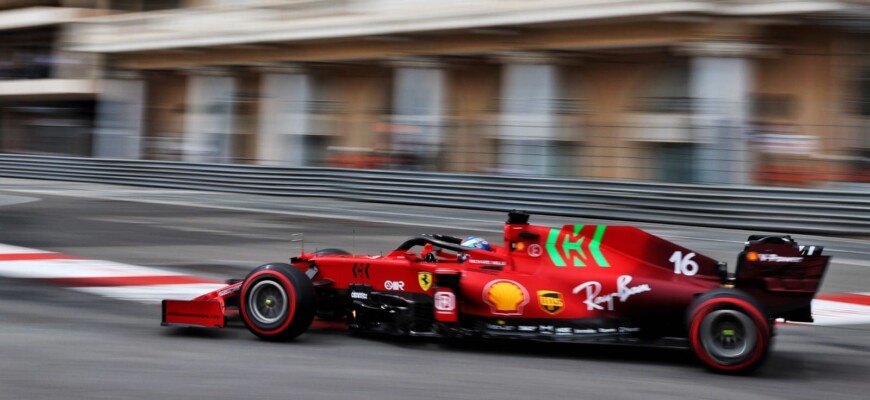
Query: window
(145, 5)
(314, 153)
(864, 93)
(27, 54)
(778, 106)
(675, 162)
(666, 90)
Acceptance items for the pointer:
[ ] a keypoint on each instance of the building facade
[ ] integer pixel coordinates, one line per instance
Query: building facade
(734, 92)
(47, 94)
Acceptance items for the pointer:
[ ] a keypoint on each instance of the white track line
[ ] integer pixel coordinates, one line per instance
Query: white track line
(152, 293)
(832, 313)
(104, 278)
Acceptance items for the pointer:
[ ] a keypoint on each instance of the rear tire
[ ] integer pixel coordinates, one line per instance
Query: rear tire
(728, 331)
(277, 302)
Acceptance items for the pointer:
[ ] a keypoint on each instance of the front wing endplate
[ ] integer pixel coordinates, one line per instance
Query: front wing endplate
(205, 313)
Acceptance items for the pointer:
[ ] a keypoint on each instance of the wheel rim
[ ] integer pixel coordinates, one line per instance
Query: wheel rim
(268, 302)
(728, 336)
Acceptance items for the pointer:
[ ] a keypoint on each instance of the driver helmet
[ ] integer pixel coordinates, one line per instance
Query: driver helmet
(476, 243)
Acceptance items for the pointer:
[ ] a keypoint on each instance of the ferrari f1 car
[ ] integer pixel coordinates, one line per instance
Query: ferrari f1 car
(577, 283)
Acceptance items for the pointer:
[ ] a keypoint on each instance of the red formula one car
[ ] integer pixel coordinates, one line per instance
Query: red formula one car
(577, 283)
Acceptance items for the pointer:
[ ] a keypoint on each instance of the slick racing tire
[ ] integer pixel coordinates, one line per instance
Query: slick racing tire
(728, 331)
(277, 302)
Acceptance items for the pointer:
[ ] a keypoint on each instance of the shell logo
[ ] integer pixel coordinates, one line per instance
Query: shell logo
(505, 297)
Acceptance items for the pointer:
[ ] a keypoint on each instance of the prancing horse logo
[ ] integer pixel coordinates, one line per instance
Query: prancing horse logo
(425, 280)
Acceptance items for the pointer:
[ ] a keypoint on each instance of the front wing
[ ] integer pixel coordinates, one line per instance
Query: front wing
(208, 310)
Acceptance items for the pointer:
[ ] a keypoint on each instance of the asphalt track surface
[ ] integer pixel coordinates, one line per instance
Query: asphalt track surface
(59, 343)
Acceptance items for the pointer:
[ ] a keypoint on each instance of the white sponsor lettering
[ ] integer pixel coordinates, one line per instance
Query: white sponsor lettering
(359, 295)
(229, 290)
(778, 258)
(563, 331)
(487, 262)
(584, 331)
(494, 327)
(526, 328)
(594, 298)
(394, 285)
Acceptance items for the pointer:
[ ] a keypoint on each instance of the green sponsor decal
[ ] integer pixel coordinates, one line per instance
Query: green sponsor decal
(573, 249)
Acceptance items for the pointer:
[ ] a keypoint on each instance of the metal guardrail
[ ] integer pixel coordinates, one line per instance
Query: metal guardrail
(787, 210)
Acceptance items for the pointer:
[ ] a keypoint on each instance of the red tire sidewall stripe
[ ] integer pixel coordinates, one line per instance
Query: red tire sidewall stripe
(710, 305)
(291, 297)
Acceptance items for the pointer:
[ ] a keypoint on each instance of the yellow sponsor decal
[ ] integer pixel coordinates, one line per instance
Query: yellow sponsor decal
(551, 302)
(505, 297)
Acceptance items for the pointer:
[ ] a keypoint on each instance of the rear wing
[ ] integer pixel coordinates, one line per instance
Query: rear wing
(783, 275)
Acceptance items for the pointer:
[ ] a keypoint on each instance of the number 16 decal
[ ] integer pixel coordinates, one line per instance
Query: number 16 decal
(684, 265)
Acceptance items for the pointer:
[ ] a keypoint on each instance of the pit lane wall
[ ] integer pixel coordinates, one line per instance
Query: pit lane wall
(785, 210)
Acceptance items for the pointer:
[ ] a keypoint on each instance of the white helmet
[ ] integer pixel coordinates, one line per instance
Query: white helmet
(476, 243)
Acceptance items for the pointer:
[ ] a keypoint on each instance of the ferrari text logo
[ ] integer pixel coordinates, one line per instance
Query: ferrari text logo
(425, 280)
(505, 297)
(551, 302)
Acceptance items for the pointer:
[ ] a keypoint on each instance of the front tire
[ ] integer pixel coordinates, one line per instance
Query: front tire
(728, 331)
(277, 302)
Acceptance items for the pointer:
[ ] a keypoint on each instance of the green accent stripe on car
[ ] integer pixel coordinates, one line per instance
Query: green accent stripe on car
(552, 239)
(576, 246)
(594, 246)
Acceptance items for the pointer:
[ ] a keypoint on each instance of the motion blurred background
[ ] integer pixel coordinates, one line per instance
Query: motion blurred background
(700, 121)
(761, 92)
